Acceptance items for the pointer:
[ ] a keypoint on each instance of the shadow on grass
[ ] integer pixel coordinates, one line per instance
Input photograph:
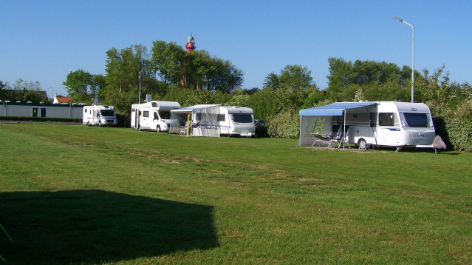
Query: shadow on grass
(93, 226)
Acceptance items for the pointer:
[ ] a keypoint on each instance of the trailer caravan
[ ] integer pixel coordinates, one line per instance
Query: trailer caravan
(213, 120)
(152, 115)
(99, 115)
(381, 123)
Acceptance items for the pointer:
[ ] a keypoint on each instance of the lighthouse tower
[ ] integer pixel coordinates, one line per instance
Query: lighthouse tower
(190, 46)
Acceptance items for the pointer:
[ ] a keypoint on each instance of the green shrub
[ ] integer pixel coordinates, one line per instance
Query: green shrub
(284, 125)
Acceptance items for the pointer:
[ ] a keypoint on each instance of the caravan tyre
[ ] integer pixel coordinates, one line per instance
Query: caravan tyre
(158, 128)
(362, 144)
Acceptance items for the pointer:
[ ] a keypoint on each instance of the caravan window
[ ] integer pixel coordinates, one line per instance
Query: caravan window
(146, 113)
(416, 119)
(221, 117)
(386, 119)
(242, 118)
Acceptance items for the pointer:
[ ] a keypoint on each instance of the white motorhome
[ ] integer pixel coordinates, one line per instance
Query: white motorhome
(100, 115)
(213, 120)
(153, 115)
(381, 123)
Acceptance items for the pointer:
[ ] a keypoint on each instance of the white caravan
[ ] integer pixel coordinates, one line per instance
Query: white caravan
(382, 123)
(236, 121)
(153, 115)
(213, 120)
(99, 115)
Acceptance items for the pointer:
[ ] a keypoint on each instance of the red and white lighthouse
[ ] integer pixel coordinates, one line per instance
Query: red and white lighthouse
(190, 46)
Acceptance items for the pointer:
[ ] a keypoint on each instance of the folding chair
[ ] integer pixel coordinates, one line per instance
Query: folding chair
(340, 138)
(328, 139)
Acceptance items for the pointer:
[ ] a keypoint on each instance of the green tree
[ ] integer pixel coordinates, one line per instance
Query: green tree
(78, 84)
(167, 61)
(124, 69)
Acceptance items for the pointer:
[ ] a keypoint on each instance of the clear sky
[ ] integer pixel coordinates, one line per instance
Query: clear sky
(45, 40)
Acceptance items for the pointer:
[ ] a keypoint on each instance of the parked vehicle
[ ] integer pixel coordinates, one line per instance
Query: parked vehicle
(214, 120)
(99, 115)
(153, 115)
(381, 123)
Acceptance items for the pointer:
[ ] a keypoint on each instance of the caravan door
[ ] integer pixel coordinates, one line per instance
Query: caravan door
(389, 130)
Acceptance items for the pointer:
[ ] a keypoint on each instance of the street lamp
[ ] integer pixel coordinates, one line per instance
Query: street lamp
(412, 58)
(139, 92)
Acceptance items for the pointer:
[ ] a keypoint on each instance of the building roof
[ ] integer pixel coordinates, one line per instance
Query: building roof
(60, 99)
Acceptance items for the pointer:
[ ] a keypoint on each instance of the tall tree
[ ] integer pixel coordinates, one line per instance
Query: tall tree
(124, 70)
(78, 84)
(167, 61)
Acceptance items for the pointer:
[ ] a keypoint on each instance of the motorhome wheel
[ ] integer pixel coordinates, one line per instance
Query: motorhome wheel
(158, 128)
(362, 144)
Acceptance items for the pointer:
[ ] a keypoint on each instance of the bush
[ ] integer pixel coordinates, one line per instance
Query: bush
(284, 125)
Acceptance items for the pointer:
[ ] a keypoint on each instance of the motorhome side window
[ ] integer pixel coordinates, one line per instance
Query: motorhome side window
(386, 119)
(416, 119)
(146, 113)
(154, 104)
(164, 115)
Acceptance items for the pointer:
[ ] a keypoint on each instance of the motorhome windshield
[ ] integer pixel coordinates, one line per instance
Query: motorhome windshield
(416, 119)
(242, 118)
(107, 113)
(164, 114)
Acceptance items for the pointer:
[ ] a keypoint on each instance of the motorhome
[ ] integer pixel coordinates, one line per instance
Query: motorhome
(100, 115)
(152, 115)
(381, 123)
(213, 120)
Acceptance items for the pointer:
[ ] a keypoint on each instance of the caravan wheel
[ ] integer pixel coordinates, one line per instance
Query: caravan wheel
(158, 128)
(362, 144)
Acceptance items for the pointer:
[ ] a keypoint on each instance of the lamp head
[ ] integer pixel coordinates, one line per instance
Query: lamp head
(398, 19)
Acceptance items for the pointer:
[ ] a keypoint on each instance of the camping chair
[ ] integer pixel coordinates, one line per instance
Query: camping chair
(340, 137)
(322, 139)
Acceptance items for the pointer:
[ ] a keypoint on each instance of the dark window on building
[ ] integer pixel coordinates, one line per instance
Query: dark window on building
(43, 112)
(35, 112)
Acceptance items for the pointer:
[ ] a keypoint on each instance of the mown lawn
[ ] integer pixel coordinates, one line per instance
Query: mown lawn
(72, 194)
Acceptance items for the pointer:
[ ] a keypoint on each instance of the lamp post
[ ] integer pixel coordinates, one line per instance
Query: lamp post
(139, 92)
(412, 58)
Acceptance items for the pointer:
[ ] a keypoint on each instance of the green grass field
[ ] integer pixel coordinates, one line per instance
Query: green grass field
(72, 194)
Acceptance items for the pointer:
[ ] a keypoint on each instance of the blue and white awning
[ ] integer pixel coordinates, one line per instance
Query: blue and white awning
(334, 109)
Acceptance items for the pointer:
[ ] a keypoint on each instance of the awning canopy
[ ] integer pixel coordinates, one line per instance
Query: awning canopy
(334, 109)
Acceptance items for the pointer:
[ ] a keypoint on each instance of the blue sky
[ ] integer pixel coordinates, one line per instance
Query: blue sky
(45, 40)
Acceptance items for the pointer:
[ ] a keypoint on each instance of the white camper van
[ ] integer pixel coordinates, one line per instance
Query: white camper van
(153, 115)
(213, 120)
(99, 115)
(382, 123)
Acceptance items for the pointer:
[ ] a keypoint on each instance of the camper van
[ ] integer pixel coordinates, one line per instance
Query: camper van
(381, 123)
(153, 115)
(99, 115)
(213, 120)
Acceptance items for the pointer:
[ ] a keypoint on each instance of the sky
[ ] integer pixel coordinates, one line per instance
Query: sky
(44, 40)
